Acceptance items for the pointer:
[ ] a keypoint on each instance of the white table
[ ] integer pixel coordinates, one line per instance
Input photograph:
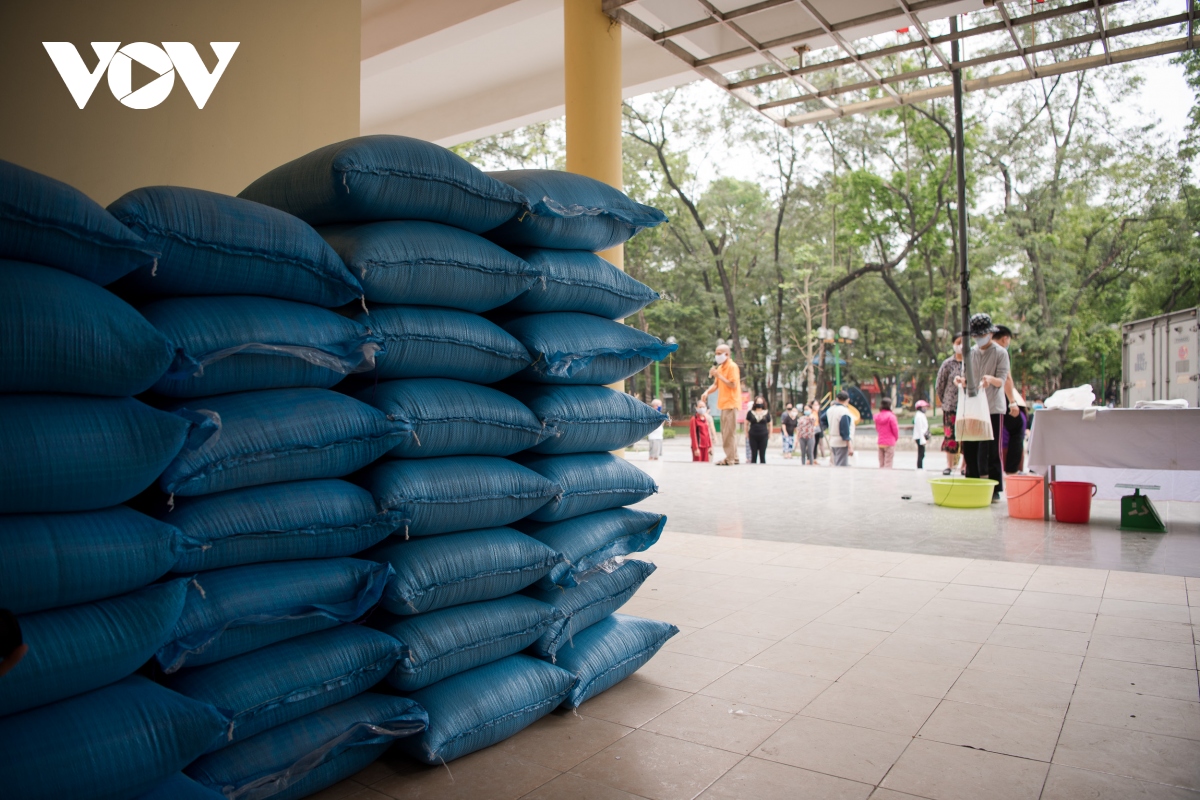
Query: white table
(1120, 445)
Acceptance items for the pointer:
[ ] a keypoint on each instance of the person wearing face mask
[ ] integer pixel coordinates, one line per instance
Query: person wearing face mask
(1012, 439)
(702, 433)
(989, 361)
(758, 430)
(727, 385)
(807, 430)
(788, 421)
(947, 390)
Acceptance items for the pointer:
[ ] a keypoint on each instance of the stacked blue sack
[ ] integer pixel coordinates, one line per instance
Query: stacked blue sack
(325, 422)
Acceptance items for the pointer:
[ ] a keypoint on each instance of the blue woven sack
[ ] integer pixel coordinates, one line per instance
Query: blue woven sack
(451, 418)
(285, 681)
(68, 453)
(233, 611)
(235, 344)
(110, 744)
(589, 482)
(79, 648)
(457, 493)
(609, 652)
(442, 643)
(586, 419)
(180, 787)
(387, 177)
(594, 543)
(586, 604)
(60, 333)
(55, 560)
(306, 755)
(424, 342)
(278, 522)
(477, 708)
(571, 212)
(572, 348)
(213, 244)
(441, 571)
(426, 264)
(280, 435)
(575, 280)
(48, 222)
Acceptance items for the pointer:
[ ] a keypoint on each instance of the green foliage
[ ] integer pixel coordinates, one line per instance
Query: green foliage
(1078, 222)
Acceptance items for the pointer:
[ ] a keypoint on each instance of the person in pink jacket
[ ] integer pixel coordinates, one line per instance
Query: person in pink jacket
(888, 432)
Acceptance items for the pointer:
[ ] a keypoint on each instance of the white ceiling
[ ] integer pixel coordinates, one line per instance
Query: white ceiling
(456, 70)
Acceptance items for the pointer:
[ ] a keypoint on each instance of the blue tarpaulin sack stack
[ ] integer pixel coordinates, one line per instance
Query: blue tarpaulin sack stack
(325, 422)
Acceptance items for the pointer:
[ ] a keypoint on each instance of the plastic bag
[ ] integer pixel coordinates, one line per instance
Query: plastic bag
(974, 420)
(1076, 398)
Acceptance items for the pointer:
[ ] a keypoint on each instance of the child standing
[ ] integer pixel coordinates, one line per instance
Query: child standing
(920, 432)
(887, 431)
(702, 438)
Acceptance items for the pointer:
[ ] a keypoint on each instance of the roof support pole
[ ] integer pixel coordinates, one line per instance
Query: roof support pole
(592, 62)
(592, 76)
(960, 160)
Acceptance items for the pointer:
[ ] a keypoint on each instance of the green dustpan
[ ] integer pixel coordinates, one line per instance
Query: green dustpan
(1138, 513)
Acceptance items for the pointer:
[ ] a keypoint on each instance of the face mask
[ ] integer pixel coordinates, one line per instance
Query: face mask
(720, 358)
(980, 341)
(758, 405)
(958, 349)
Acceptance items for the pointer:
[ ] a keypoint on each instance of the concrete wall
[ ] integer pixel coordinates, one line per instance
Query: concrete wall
(291, 86)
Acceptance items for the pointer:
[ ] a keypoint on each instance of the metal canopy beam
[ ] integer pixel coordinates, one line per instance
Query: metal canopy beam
(804, 76)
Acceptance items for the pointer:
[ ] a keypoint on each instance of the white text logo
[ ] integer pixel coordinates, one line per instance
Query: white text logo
(118, 61)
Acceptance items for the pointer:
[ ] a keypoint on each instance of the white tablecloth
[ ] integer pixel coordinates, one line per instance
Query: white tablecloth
(1159, 447)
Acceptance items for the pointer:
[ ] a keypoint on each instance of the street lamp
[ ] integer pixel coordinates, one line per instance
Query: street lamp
(845, 335)
(657, 387)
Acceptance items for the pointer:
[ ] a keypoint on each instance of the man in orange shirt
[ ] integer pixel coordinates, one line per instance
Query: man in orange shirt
(727, 383)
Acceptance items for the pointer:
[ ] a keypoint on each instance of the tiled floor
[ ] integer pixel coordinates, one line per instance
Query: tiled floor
(810, 671)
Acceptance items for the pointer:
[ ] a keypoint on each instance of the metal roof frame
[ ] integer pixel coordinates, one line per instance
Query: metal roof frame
(890, 92)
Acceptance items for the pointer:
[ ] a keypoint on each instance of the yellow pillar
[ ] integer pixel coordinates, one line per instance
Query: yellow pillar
(592, 59)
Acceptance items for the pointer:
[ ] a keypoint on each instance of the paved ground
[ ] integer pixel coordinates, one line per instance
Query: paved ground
(864, 506)
(839, 642)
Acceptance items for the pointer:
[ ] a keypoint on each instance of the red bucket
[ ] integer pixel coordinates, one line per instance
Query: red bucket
(1073, 501)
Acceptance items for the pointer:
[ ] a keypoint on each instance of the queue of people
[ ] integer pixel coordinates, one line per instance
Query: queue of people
(809, 429)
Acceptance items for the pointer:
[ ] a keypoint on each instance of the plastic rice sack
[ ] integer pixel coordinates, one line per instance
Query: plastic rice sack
(285, 681)
(69, 453)
(306, 755)
(61, 333)
(577, 349)
(451, 418)
(213, 244)
(55, 560)
(79, 648)
(180, 787)
(236, 344)
(233, 611)
(609, 652)
(572, 212)
(110, 744)
(575, 280)
(48, 222)
(278, 522)
(280, 435)
(442, 643)
(441, 571)
(387, 177)
(594, 543)
(586, 604)
(485, 705)
(589, 482)
(586, 419)
(424, 342)
(426, 264)
(457, 493)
